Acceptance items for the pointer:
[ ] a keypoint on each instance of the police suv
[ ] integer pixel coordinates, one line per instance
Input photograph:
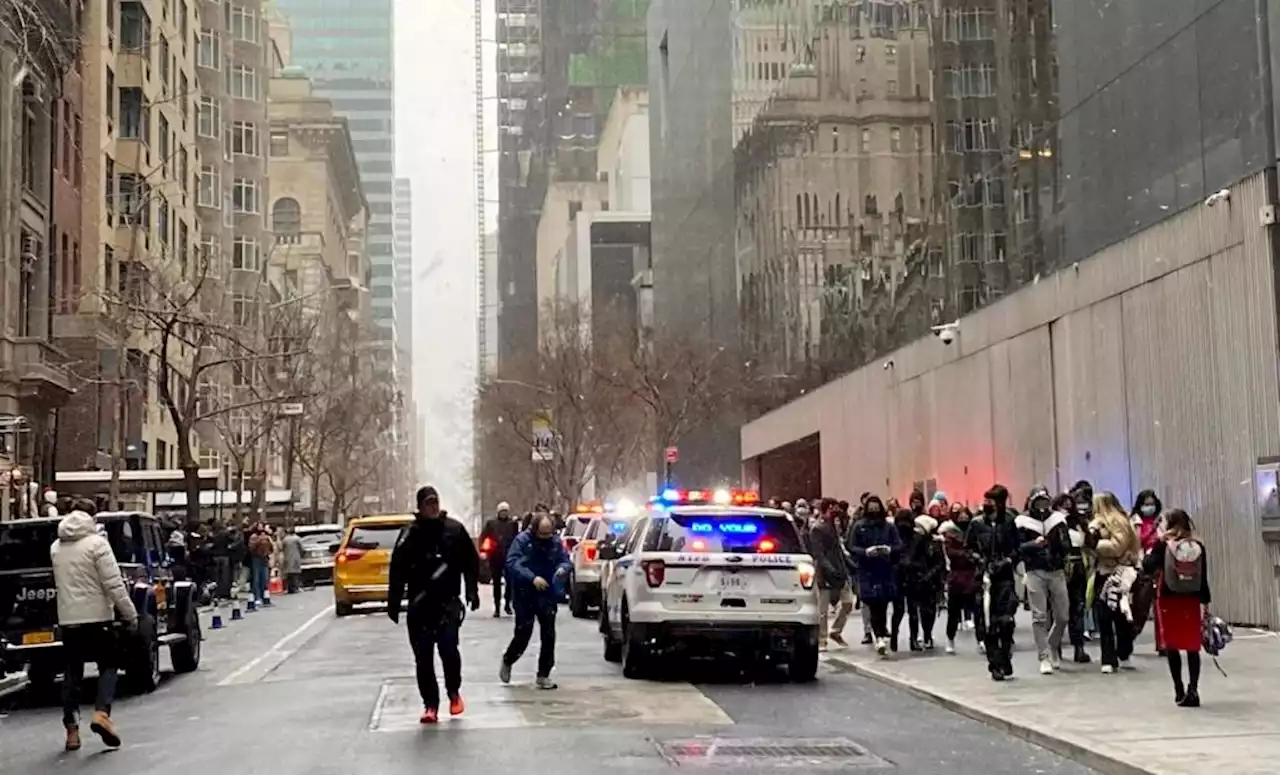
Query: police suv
(704, 572)
(608, 523)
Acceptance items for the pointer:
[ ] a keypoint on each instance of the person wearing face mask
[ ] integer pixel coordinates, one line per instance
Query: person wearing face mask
(964, 576)
(876, 546)
(1117, 548)
(1082, 492)
(904, 522)
(537, 565)
(926, 576)
(433, 557)
(1148, 520)
(832, 563)
(915, 502)
(1076, 572)
(1043, 546)
(998, 546)
(864, 610)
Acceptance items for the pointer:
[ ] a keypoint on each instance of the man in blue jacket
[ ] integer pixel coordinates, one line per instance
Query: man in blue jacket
(537, 565)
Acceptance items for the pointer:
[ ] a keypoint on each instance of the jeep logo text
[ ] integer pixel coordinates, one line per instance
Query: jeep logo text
(30, 595)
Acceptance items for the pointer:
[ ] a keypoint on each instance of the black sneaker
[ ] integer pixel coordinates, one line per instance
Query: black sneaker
(997, 674)
(928, 645)
(915, 646)
(867, 640)
(1179, 695)
(1081, 656)
(893, 643)
(1192, 700)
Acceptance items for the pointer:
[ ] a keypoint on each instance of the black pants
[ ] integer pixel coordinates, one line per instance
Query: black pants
(545, 616)
(961, 603)
(879, 617)
(294, 583)
(1193, 670)
(430, 632)
(922, 612)
(222, 576)
(88, 643)
(1114, 631)
(1077, 591)
(500, 600)
(1003, 608)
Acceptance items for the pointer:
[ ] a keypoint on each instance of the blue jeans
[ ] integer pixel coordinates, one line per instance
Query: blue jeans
(258, 571)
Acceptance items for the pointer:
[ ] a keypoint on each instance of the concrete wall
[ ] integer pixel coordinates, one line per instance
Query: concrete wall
(1151, 364)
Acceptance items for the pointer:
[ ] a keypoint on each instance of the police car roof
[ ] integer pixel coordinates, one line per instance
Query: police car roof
(713, 508)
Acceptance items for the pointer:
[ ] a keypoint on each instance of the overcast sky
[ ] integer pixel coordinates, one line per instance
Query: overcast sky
(435, 126)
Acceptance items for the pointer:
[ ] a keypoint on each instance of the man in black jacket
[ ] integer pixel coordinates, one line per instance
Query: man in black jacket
(997, 543)
(1043, 544)
(827, 547)
(496, 538)
(433, 557)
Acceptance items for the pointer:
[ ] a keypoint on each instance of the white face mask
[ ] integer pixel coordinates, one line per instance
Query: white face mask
(1148, 511)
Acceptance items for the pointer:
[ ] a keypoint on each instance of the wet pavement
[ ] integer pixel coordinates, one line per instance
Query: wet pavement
(295, 690)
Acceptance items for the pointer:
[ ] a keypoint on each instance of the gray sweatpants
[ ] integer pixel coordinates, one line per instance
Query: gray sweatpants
(1050, 609)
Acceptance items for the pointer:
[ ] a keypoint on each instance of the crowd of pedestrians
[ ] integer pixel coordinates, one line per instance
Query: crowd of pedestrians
(220, 556)
(1087, 569)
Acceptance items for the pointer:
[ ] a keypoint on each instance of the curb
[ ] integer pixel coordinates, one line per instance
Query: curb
(1062, 745)
(12, 684)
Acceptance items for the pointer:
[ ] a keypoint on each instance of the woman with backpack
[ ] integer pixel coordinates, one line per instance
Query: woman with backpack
(1179, 564)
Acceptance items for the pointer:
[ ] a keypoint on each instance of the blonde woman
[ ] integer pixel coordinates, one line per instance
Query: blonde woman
(1117, 550)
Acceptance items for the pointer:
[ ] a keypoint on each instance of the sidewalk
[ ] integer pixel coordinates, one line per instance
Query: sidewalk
(1124, 724)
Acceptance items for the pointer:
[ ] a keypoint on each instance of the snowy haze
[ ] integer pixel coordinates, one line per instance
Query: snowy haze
(435, 149)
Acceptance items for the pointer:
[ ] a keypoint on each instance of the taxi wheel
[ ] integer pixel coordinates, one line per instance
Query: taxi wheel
(343, 609)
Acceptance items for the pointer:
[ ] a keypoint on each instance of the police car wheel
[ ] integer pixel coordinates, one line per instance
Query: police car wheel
(803, 666)
(578, 604)
(636, 660)
(612, 648)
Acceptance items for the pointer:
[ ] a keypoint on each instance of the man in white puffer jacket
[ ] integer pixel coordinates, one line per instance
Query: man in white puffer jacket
(90, 592)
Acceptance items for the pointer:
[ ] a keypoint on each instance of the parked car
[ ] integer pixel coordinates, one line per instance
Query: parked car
(317, 560)
(29, 609)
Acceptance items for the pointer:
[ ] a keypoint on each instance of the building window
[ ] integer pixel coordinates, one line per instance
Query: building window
(895, 139)
(135, 26)
(184, 170)
(36, 143)
(279, 143)
(111, 103)
(133, 199)
(245, 255)
(864, 141)
(163, 221)
(166, 145)
(243, 23)
(184, 248)
(243, 310)
(210, 122)
(890, 53)
(210, 192)
(286, 221)
(109, 188)
(210, 257)
(244, 138)
(184, 98)
(242, 82)
(244, 196)
(166, 63)
(133, 114)
(210, 51)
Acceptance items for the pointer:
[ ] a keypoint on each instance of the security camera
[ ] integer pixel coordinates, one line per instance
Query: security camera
(947, 332)
(1222, 195)
(888, 364)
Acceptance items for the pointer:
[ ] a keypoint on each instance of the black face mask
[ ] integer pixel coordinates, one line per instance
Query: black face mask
(988, 508)
(874, 514)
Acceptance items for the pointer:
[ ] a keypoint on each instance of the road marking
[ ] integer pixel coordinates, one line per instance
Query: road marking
(278, 650)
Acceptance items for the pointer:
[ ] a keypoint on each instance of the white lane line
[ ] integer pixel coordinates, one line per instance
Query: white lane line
(279, 649)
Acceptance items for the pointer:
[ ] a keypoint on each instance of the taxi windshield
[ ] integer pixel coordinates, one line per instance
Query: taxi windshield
(724, 532)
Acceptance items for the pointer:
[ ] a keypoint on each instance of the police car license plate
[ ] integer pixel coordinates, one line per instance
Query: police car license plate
(37, 638)
(732, 582)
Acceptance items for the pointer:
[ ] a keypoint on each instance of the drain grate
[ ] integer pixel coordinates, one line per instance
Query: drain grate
(770, 753)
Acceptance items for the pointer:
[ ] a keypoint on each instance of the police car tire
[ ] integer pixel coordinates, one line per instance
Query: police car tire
(578, 604)
(803, 667)
(612, 648)
(636, 661)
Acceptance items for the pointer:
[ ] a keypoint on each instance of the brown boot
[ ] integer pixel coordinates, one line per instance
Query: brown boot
(103, 727)
(73, 738)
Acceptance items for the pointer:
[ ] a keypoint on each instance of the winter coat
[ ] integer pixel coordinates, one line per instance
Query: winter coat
(292, 550)
(502, 532)
(86, 574)
(1115, 544)
(995, 540)
(531, 557)
(261, 545)
(924, 561)
(1150, 530)
(1052, 554)
(964, 574)
(829, 555)
(877, 575)
(433, 560)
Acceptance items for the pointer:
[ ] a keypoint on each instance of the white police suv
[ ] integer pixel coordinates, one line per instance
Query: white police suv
(706, 572)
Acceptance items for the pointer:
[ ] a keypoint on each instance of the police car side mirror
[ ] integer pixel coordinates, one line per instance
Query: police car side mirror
(333, 548)
(608, 551)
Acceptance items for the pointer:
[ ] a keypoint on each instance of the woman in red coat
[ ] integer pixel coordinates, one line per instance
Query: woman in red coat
(1178, 561)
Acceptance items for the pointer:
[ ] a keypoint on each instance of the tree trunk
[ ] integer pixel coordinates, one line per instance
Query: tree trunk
(190, 477)
(119, 433)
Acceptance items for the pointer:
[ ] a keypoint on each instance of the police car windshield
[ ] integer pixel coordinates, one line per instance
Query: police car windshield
(723, 532)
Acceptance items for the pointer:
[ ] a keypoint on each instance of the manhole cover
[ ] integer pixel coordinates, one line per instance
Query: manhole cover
(756, 753)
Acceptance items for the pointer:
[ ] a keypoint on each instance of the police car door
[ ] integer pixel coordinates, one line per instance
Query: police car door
(613, 573)
(741, 563)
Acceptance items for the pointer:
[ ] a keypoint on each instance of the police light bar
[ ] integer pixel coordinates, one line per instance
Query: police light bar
(722, 497)
(588, 508)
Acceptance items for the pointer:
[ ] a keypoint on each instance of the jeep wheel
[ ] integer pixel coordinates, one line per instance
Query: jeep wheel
(803, 666)
(143, 667)
(185, 654)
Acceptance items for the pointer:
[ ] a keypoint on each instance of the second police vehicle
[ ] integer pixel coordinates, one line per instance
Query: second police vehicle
(706, 571)
(604, 523)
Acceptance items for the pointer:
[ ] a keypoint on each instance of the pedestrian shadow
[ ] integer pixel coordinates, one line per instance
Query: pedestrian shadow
(723, 670)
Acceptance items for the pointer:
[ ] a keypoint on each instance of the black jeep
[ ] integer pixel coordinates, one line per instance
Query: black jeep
(167, 614)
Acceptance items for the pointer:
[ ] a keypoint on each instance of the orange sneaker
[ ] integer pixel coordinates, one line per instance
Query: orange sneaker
(430, 716)
(456, 705)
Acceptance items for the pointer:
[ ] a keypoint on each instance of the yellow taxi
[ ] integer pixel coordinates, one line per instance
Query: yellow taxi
(362, 560)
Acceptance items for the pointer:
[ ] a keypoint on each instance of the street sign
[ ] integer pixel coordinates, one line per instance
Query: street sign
(372, 499)
(291, 410)
(672, 454)
(543, 441)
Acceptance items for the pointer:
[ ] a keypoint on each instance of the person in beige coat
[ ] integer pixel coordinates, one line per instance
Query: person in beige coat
(1116, 546)
(91, 590)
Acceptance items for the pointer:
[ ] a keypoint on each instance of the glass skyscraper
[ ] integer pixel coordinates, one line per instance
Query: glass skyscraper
(347, 48)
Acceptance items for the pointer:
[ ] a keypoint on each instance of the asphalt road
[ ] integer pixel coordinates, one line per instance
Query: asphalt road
(296, 691)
